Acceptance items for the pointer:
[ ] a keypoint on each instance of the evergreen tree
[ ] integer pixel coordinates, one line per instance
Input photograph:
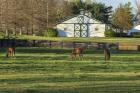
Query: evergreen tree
(99, 11)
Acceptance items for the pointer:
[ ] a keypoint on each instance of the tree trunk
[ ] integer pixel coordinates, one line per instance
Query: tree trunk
(121, 32)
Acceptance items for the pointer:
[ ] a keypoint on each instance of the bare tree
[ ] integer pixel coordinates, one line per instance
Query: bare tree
(31, 16)
(137, 17)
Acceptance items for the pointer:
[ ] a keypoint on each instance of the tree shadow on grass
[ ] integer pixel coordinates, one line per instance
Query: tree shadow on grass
(63, 51)
(42, 50)
(50, 90)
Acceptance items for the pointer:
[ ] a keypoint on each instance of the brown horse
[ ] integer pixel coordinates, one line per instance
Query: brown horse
(107, 54)
(76, 52)
(10, 52)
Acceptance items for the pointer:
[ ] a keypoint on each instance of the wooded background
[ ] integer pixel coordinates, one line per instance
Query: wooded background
(30, 16)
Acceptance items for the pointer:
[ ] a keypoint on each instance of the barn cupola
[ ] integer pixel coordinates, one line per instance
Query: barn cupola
(85, 13)
(82, 12)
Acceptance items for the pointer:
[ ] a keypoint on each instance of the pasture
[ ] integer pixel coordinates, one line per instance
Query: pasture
(42, 70)
(82, 39)
(74, 39)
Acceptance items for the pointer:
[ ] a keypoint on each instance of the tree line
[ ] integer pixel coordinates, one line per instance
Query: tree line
(30, 16)
(35, 16)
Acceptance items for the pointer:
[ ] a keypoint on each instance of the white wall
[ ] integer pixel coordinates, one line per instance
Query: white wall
(66, 29)
(97, 30)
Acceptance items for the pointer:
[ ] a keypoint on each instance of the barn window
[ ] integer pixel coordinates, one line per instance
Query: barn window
(65, 29)
(96, 29)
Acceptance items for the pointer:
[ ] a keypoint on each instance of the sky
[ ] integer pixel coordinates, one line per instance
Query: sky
(116, 3)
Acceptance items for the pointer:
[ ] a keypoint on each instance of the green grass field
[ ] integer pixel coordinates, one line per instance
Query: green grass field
(42, 70)
(79, 39)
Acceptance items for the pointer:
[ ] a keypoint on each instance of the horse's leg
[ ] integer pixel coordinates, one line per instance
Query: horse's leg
(13, 51)
(81, 56)
(105, 57)
(75, 55)
(71, 55)
(108, 57)
(7, 53)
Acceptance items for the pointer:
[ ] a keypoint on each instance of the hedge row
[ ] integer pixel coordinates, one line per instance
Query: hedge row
(50, 33)
(136, 34)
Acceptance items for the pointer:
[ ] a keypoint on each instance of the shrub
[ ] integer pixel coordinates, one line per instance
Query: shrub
(2, 34)
(122, 35)
(50, 33)
(136, 34)
(110, 33)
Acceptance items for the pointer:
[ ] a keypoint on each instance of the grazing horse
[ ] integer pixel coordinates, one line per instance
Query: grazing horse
(10, 52)
(76, 52)
(107, 54)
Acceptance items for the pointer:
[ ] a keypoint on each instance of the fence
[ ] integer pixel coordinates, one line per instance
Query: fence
(60, 44)
(52, 44)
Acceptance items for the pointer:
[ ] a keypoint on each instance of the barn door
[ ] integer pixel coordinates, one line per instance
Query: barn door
(80, 30)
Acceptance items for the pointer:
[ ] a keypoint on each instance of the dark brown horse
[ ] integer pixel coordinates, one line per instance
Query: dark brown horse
(10, 52)
(77, 52)
(107, 54)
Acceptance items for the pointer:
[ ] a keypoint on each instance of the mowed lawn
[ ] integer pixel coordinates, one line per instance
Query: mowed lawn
(42, 70)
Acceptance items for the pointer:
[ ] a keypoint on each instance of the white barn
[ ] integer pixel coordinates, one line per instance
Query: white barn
(135, 29)
(81, 26)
